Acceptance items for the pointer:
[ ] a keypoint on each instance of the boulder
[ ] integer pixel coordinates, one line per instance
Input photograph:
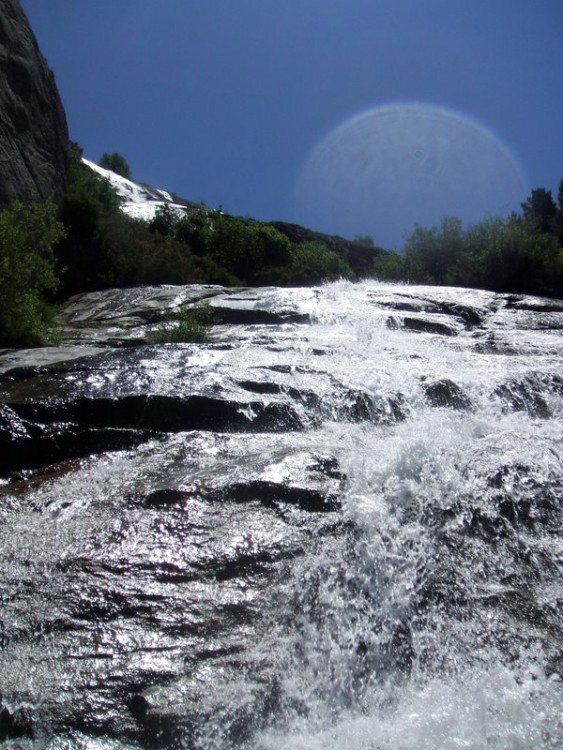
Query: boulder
(446, 393)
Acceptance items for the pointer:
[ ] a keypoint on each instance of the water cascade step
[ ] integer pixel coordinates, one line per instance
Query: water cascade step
(336, 524)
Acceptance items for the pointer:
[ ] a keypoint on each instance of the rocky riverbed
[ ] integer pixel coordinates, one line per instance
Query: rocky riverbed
(318, 529)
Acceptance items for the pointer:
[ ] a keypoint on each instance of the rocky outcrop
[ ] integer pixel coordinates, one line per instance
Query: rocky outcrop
(230, 544)
(33, 128)
(15, 724)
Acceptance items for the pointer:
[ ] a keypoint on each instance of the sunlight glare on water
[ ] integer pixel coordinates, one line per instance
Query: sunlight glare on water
(408, 610)
(428, 615)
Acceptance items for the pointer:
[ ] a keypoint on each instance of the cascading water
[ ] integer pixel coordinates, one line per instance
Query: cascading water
(439, 624)
(427, 613)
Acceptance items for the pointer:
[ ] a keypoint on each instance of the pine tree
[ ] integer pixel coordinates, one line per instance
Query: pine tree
(116, 163)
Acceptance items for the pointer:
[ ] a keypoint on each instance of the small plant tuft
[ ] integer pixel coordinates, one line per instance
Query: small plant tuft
(190, 325)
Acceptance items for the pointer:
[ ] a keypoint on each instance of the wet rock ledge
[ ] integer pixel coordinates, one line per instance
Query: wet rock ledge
(162, 504)
(155, 501)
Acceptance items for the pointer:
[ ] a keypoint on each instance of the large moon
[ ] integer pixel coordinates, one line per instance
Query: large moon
(388, 169)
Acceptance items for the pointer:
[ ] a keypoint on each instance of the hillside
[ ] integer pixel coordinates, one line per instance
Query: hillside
(141, 201)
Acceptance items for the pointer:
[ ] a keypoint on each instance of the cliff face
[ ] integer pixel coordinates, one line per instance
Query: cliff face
(33, 128)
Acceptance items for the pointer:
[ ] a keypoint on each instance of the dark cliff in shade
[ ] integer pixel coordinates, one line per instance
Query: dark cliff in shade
(33, 128)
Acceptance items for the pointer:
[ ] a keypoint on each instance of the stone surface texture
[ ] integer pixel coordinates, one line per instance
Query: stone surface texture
(33, 127)
(324, 503)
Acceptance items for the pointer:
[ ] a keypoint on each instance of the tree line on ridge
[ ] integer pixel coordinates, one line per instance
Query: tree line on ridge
(88, 243)
(520, 254)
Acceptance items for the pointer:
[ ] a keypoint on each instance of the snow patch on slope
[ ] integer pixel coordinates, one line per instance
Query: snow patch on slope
(137, 201)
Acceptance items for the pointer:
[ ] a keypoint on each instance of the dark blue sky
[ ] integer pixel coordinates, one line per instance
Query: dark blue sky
(225, 101)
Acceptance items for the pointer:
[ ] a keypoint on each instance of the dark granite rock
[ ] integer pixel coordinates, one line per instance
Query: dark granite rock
(470, 316)
(428, 326)
(446, 393)
(15, 724)
(241, 316)
(528, 394)
(33, 128)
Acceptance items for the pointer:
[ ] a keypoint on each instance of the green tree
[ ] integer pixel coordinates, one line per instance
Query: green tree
(389, 266)
(497, 256)
(87, 195)
(503, 255)
(193, 229)
(28, 233)
(246, 248)
(558, 220)
(365, 240)
(547, 256)
(313, 263)
(116, 163)
(429, 253)
(539, 210)
(88, 199)
(164, 220)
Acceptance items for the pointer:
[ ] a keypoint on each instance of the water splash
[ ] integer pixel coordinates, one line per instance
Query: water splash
(426, 616)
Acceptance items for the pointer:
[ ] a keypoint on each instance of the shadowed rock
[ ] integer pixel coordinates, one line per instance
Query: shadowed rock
(164, 498)
(271, 494)
(428, 326)
(529, 393)
(15, 724)
(241, 316)
(33, 129)
(469, 315)
(446, 393)
(168, 413)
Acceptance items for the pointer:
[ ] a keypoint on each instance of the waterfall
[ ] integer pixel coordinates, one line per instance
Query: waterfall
(437, 625)
(382, 525)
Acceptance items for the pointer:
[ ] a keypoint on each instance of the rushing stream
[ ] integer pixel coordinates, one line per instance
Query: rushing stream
(337, 525)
